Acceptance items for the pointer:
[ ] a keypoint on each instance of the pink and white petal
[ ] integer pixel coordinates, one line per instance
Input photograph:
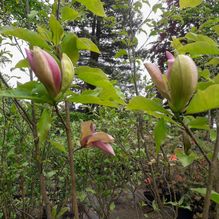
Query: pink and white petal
(104, 147)
(157, 78)
(170, 61)
(87, 129)
(100, 136)
(30, 57)
(56, 72)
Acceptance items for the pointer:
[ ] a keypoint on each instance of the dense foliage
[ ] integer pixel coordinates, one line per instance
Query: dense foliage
(87, 64)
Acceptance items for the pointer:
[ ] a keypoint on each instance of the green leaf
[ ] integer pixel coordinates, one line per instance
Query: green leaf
(98, 78)
(95, 6)
(54, 211)
(202, 191)
(160, 133)
(214, 61)
(216, 29)
(22, 64)
(29, 36)
(44, 125)
(61, 212)
(199, 123)
(90, 99)
(156, 7)
(204, 100)
(90, 190)
(149, 106)
(186, 160)
(94, 76)
(120, 53)
(87, 44)
(44, 33)
(213, 135)
(58, 146)
(57, 30)
(68, 14)
(216, 79)
(200, 37)
(31, 91)
(199, 48)
(112, 206)
(189, 3)
(205, 73)
(69, 46)
(204, 84)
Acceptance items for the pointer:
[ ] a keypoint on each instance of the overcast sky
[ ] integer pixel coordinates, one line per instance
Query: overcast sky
(19, 76)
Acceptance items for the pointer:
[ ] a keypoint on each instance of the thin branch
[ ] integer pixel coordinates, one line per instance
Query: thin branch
(60, 116)
(77, 149)
(189, 132)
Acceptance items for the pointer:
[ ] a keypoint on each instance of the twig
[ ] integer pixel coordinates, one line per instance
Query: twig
(189, 132)
(77, 149)
(59, 115)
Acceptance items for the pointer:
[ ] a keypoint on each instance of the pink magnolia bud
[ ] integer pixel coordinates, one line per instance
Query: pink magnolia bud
(46, 69)
(179, 83)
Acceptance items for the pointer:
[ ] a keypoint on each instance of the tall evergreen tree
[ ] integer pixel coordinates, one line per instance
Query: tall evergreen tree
(111, 34)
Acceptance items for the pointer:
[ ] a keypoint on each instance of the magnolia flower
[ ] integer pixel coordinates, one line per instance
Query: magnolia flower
(101, 140)
(179, 83)
(48, 71)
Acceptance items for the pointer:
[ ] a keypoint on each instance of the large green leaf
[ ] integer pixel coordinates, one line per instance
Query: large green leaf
(57, 30)
(85, 98)
(151, 107)
(189, 3)
(199, 123)
(29, 36)
(200, 37)
(68, 14)
(204, 100)
(44, 125)
(69, 46)
(199, 48)
(31, 91)
(95, 6)
(98, 78)
(94, 76)
(160, 133)
(87, 44)
(202, 191)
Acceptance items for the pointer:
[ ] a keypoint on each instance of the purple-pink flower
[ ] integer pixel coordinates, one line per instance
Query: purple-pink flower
(91, 138)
